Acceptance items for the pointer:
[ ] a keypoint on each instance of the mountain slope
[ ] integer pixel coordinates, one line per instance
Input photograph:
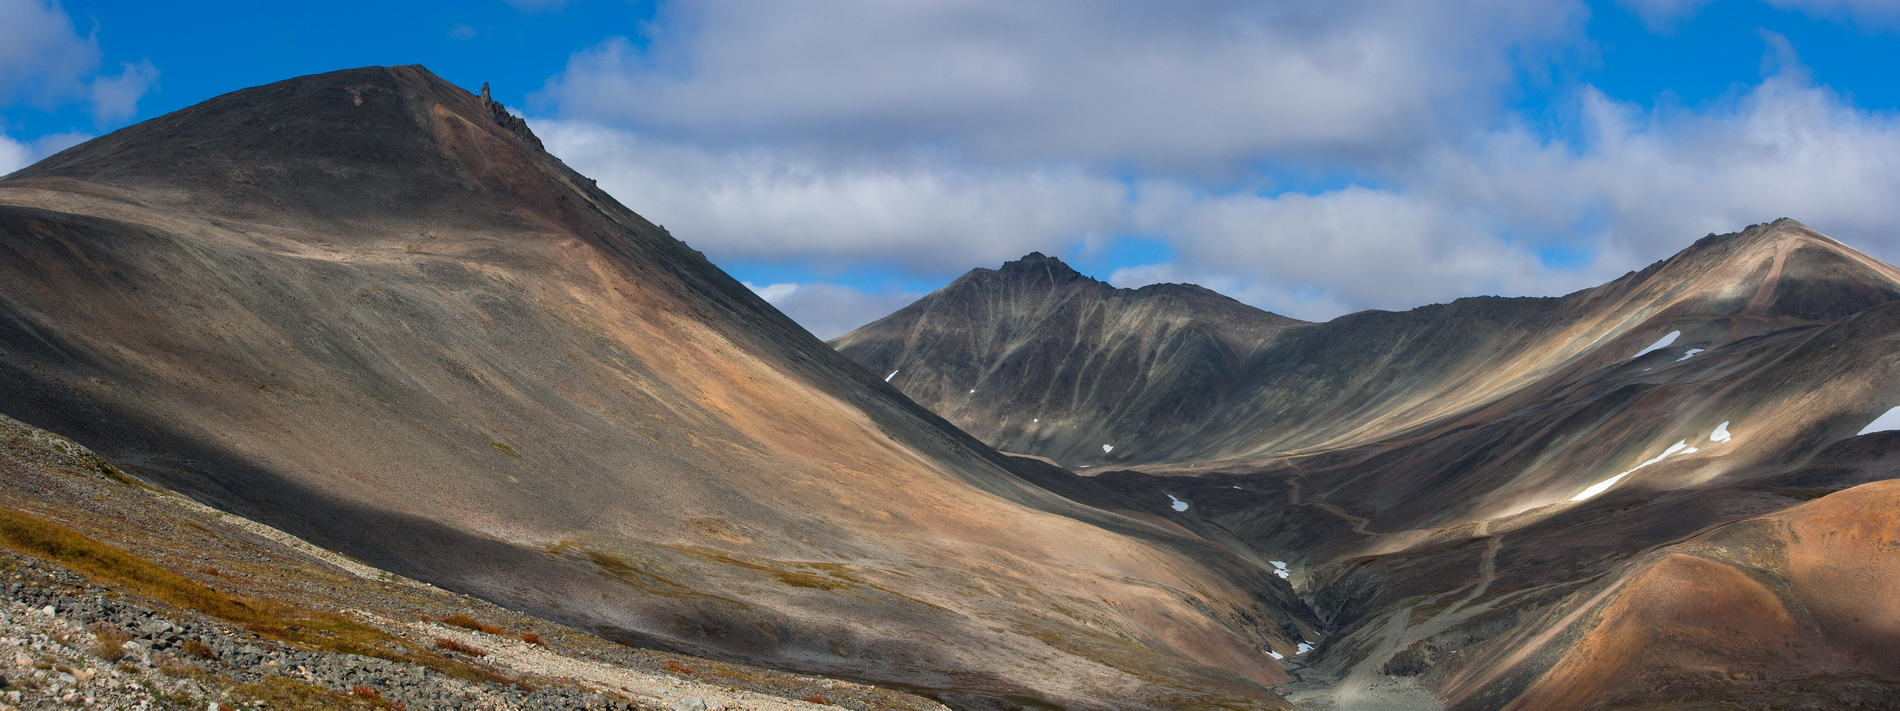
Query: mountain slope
(1504, 476)
(366, 308)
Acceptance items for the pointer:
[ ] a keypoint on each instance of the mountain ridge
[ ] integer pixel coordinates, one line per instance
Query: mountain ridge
(1519, 480)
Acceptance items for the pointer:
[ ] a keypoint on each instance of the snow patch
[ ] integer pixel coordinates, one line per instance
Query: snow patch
(1721, 431)
(1304, 648)
(893, 374)
(1281, 564)
(1275, 655)
(972, 392)
(1889, 420)
(1660, 343)
(1279, 568)
(1690, 354)
(1178, 504)
(1106, 448)
(1605, 485)
(1036, 420)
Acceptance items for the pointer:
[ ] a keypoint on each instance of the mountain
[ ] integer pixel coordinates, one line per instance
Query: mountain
(1035, 357)
(366, 308)
(1516, 503)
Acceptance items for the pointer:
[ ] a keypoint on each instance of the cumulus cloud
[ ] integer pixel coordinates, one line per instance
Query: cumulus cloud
(928, 215)
(957, 135)
(42, 59)
(1317, 256)
(116, 98)
(1165, 85)
(830, 310)
(14, 155)
(1637, 186)
(44, 62)
(1634, 186)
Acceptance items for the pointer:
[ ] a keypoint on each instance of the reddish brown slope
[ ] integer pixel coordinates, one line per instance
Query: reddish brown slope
(1791, 610)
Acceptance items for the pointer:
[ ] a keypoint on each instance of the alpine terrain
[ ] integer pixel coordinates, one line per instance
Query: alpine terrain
(1671, 490)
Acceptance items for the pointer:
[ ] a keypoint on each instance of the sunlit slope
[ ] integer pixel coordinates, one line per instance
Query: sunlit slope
(367, 308)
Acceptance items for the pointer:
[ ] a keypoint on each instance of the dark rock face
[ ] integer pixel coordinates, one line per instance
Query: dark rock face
(1036, 358)
(1498, 498)
(364, 307)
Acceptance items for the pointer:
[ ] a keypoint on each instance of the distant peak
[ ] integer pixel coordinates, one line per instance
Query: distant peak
(1039, 263)
(1033, 258)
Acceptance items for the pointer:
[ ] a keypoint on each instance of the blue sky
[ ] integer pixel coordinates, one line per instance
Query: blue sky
(845, 156)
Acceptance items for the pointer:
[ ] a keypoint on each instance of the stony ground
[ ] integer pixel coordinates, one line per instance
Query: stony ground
(252, 618)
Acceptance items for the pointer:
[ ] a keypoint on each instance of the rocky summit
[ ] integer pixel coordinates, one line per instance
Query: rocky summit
(1662, 490)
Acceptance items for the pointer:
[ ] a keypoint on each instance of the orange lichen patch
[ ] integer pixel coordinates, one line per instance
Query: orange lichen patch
(1682, 612)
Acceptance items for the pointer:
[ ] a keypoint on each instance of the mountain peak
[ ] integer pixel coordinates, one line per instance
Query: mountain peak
(1039, 263)
(370, 142)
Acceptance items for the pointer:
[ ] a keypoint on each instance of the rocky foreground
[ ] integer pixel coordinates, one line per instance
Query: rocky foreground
(117, 595)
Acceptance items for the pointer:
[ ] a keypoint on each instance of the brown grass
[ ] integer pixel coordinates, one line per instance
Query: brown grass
(373, 698)
(816, 699)
(470, 623)
(673, 666)
(109, 641)
(197, 650)
(458, 647)
(532, 638)
(285, 694)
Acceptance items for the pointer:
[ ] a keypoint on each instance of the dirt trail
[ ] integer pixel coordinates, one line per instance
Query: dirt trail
(1294, 497)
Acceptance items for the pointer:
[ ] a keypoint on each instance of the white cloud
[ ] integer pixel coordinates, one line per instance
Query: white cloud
(1662, 15)
(42, 60)
(1649, 180)
(1317, 256)
(830, 310)
(1195, 86)
(1871, 12)
(1637, 187)
(931, 216)
(116, 99)
(13, 155)
(1462, 220)
(1442, 211)
(45, 63)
